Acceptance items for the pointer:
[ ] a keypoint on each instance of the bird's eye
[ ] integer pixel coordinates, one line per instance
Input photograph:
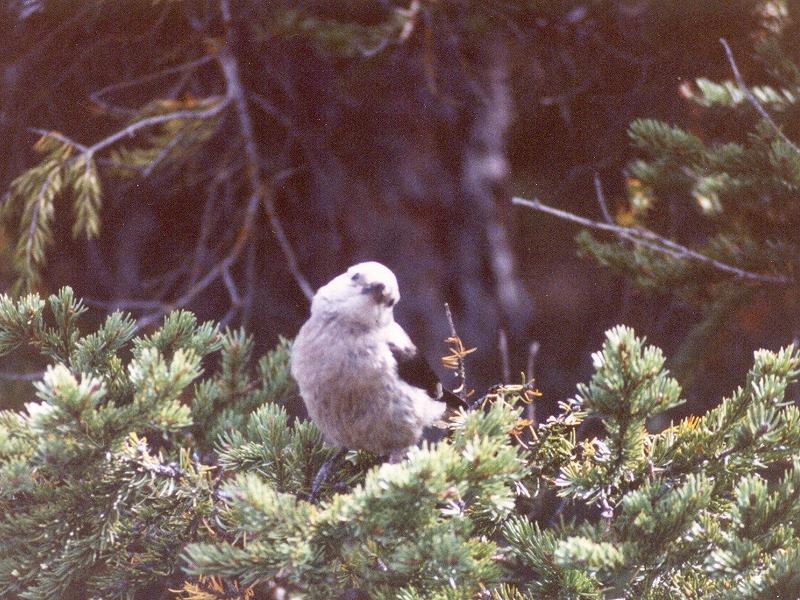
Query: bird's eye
(390, 302)
(356, 277)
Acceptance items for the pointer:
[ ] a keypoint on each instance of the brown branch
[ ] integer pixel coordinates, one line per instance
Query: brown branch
(188, 66)
(751, 98)
(236, 93)
(461, 371)
(653, 241)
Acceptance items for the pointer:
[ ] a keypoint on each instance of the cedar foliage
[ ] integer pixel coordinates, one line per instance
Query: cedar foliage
(167, 466)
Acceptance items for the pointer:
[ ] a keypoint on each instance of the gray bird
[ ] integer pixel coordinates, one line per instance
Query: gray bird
(363, 381)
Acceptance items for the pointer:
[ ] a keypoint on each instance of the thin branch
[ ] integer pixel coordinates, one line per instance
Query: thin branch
(505, 363)
(123, 303)
(60, 137)
(653, 241)
(131, 129)
(283, 241)
(601, 198)
(251, 277)
(230, 285)
(272, 110)
(530, 367)
(461, 371)
(37, 208)
(752, 99)
(236, 93)
(163, 153)
(88, 152)
(10, 376)
(95, 96)
(530, 372)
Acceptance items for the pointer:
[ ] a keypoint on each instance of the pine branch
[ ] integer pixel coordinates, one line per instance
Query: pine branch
(751, 98)
(653, 241)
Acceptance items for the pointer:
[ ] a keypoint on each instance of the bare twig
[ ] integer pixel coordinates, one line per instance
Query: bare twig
(533, 352)
(272, 110)
(250, 276)
(230, 285)
(258, 193)
(163, 153)
(10, 376)
(283, 241)
(505, 363)
(650, 239)
(88, 152)
(530, 372)
(123, 303)
(601, 198)
(236, 93)
(751, 98)
(131, 129)
(58, 136)
(461, 372)
(96, 96)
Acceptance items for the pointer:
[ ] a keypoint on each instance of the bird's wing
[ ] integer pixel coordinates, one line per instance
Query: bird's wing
(415, 370)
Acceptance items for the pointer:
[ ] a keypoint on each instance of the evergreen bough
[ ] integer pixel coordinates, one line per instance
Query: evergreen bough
(168, 466)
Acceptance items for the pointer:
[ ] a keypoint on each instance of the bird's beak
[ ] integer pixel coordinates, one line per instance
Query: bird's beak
(378, 293)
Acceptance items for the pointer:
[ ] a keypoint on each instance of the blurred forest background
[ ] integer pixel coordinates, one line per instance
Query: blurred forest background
(230, 157)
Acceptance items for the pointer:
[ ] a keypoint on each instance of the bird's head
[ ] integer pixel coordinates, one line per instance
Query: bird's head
(363, 295)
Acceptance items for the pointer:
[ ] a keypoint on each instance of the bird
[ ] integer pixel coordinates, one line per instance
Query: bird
(363, 381)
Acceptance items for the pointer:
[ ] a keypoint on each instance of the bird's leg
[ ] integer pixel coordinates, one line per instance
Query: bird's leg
(397, 456)
(324, 473)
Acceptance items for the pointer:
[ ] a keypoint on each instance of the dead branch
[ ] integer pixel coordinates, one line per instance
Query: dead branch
(751, 98)
(653, 241)
(530, 372)
(236, 93)
(455, 360)
(505, 362)
(96, 96)
(10, 376)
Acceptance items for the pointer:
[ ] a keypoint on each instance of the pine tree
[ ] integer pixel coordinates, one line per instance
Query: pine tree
(168, 466)
(734, 175)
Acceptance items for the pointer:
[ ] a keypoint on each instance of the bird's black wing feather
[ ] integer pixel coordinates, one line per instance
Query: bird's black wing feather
(415, 370)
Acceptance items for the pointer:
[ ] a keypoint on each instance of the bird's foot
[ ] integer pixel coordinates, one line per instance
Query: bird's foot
(397, 456)
(324, 473)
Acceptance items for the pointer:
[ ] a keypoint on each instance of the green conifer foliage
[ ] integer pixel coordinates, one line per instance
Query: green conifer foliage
(734, 175)
(167, 466)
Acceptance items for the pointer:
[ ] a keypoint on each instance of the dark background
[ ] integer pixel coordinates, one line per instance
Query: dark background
(406, 153)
